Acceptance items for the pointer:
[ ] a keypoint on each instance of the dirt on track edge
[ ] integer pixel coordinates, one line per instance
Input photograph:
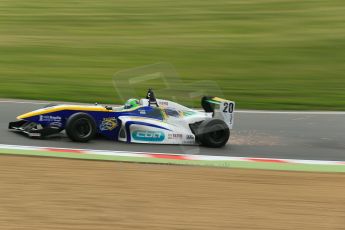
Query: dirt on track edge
(48, 193)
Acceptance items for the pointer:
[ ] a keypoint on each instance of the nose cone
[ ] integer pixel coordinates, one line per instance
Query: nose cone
(32, 114)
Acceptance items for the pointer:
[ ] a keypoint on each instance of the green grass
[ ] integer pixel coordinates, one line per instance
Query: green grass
(264, 54)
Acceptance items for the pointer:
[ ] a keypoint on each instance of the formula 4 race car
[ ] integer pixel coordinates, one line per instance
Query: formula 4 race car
(148, 120)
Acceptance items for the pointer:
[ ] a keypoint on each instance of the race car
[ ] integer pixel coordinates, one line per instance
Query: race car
(148, 120)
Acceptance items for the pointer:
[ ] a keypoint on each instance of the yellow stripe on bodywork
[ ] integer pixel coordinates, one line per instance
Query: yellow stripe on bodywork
(61, 108)
(218, 99)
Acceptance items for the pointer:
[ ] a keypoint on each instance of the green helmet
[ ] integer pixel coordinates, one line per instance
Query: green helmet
(132, 103)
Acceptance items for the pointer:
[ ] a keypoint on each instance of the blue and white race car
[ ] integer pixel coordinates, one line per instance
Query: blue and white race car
(148, 120)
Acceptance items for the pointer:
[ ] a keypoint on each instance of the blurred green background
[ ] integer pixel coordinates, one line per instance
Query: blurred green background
(264, 54)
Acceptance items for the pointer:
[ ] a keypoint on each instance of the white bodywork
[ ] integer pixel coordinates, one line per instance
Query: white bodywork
(173, 129)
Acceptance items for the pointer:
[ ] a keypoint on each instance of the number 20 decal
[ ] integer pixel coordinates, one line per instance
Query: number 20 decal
(228, 107)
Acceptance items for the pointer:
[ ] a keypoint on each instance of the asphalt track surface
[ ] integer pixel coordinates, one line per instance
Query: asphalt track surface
(300, 135)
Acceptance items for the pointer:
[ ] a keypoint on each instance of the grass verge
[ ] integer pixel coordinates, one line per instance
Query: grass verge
(263, 54)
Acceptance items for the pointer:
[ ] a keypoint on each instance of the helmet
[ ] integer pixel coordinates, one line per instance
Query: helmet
(132, 103)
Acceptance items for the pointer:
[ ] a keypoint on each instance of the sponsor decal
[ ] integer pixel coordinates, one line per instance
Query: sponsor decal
(189, 137)
(175, 136)
(49, 118)
(108, 124)
(56, 124)
(141, 111)
(188, 142)
(153, 136)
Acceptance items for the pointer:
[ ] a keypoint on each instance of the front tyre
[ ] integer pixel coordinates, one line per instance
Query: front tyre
(81, 127)
(213, 133)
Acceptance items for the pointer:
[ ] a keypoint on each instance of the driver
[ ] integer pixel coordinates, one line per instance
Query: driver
(132, 103)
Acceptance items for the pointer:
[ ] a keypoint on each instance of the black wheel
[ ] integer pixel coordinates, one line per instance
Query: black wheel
(213, 133)
(81, 127)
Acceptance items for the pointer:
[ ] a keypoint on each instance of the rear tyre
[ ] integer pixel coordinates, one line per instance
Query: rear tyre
(213, 133)
(81, 127)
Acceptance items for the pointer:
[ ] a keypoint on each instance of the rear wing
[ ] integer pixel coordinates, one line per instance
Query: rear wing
(221, 108)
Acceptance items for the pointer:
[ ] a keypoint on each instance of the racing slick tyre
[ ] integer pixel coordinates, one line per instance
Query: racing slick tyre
(81, 127)
(213, 133)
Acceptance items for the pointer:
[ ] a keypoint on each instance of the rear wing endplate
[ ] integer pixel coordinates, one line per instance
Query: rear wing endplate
(221, 108)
